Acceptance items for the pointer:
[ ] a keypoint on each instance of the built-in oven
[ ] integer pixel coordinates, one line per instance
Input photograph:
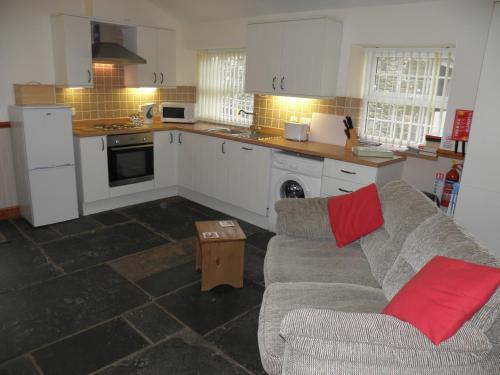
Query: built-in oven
(130, 158)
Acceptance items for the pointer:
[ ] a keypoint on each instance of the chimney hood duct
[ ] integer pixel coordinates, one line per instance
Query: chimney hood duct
(107, 46)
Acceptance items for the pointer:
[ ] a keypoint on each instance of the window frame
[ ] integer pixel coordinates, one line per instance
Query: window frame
(425, 101)
(223, 86)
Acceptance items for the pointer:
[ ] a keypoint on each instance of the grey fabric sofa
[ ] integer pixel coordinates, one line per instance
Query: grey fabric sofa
(321, 311)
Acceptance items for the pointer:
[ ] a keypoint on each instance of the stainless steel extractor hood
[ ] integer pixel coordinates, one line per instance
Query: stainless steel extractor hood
(107, 46)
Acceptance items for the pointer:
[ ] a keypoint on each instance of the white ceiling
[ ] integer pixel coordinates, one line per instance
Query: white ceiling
(213, 10)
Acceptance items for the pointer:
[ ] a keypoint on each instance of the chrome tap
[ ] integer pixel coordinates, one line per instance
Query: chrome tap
(253, 128)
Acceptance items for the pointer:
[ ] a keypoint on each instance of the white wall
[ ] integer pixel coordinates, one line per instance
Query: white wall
(26, 53)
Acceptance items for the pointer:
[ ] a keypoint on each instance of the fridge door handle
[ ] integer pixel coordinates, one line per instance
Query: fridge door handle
(53, 166)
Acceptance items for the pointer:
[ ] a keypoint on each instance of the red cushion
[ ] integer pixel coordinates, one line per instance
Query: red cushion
(355, 215)
(443, 295)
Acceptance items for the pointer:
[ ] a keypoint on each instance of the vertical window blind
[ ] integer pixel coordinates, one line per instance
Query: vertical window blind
(406, 93)
(221, 87)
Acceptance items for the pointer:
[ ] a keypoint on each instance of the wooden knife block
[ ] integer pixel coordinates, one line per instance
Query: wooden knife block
(353, 141)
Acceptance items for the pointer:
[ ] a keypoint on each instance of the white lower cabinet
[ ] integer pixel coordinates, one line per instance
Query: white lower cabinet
(210, 172)
(91, 168)
(165, 159)
(340, 177)
(233, 172)
(248, 168)
(185, 146)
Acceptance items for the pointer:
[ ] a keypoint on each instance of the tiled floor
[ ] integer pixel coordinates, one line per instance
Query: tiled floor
(117, 293)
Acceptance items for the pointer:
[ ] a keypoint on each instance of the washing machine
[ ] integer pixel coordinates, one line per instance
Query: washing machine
(293, 176)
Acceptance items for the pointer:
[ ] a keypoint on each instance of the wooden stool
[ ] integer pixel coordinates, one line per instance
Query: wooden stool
(220, 259)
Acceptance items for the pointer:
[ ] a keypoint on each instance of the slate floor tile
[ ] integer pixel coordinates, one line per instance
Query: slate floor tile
(153, 322)
(204, 311)
(82, 224)
(238, 339)
(159, 258)
(166, 281)
(9, 230)
(260, 239)
(18, 366)
(171, 219)
(92, 248)
(59, 307)
(213, 214)
(110, 217)
(90, 350)
(184, 355)
(22, 264)
(254, 264)
(38, 234)
(217, 215)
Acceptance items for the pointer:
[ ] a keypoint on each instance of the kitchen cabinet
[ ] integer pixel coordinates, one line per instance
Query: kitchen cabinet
(248, 168)
(185, 146)
(297, 58)
(210, 173)
(340, 177)
(91, 168)
(165, 159)
(158, 47)
(72, 46)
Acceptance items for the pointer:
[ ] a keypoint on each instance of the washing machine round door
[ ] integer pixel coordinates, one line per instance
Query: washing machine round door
(292, 189)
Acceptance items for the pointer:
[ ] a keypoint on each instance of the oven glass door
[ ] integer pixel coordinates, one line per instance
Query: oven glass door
(174, 113)
(130, 164)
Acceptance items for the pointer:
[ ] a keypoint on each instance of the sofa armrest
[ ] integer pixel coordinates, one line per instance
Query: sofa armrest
(377, 340)
(306, 218)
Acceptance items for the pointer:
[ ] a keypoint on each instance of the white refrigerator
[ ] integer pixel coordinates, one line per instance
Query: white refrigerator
(44, 163)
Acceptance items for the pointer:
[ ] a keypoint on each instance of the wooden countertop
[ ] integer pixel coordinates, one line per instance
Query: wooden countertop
(86, 129)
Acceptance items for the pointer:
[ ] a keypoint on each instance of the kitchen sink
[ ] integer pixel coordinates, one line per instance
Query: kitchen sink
(227, 131)
(246, 134)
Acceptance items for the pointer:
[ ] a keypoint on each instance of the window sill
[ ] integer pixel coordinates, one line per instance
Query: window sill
(441, 153)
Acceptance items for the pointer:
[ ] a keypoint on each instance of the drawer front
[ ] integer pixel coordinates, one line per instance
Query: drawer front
(332, 186)
(359, 174)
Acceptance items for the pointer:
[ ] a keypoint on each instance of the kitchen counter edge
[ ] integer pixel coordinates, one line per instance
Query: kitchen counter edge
(308, 148)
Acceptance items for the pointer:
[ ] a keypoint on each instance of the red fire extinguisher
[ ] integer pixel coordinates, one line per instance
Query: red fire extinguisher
(452, 176)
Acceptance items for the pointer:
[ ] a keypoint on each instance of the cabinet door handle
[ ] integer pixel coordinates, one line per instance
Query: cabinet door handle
(223, 149)
(155, 77)
(179, 138)
(247, 148)
(347, 172)
(345, 191)
(161, 77)
(171, 138)
(282, 84)
(102, 144)
(274, 83)
(90, 75)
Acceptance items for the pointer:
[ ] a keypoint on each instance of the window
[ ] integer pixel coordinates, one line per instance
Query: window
(221, 87)
(406, 93)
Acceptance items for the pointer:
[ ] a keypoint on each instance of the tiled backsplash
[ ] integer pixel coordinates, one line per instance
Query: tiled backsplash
(110, 99)
(272, 111)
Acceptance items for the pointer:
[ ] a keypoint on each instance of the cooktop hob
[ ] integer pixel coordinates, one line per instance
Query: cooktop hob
(118, 126)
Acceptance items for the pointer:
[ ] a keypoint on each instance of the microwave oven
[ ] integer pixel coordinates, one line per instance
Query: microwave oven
(177, 112)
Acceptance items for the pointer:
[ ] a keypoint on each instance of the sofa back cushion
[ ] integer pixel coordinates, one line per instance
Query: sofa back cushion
(439, 235)
(404, 208)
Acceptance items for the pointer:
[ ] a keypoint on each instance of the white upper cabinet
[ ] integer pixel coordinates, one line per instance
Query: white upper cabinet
(263, 64)
(158, 47)
(166, 57)
(296, 58)
(72, 45)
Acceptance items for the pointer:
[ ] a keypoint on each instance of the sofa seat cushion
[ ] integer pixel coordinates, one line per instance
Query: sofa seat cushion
(291, 259)
(279, 299)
